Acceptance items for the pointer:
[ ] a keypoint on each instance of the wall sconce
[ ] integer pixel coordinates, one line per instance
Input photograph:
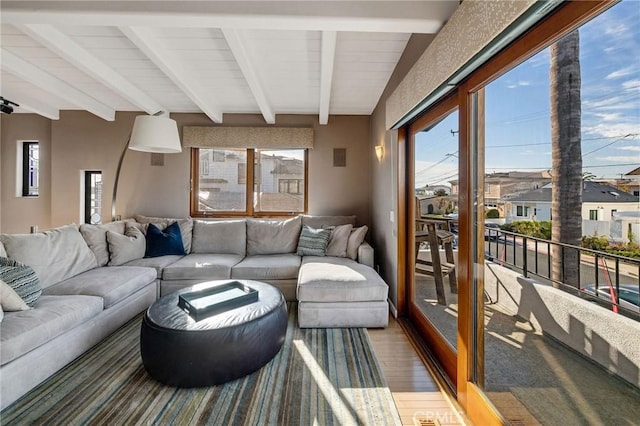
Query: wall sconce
(379, 152)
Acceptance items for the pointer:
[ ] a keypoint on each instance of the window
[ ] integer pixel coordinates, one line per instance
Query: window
(613, 212)
(275, 184)
(593, 214)
(93, 197)
(242, 173)
(30, 169)
(291, 186)
(522, 211)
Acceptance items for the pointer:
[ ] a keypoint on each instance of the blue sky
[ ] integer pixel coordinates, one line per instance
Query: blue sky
(517, 105)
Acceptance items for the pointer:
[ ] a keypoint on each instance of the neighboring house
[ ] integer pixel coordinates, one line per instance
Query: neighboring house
(430, 190)
(500, 187)
(223, 174)
(599, 204)
(630, 182)
(438, 204)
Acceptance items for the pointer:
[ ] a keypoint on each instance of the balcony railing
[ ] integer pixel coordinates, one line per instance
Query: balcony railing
(602, 275)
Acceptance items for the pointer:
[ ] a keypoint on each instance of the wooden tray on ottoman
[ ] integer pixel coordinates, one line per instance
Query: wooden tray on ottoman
(203, 303)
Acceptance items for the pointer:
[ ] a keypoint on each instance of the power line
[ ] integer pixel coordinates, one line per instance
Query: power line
(609, 144)
(619, 137)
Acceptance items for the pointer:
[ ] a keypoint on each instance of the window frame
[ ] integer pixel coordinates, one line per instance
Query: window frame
(249, 189)
(87, 195)
(25, 190)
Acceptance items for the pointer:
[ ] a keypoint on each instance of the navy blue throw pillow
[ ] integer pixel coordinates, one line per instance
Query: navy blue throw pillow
(160, 243)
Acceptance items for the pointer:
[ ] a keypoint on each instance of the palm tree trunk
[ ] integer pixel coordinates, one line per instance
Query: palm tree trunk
(566, 198)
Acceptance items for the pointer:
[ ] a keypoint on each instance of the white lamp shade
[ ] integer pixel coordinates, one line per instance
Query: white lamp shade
(155, 134)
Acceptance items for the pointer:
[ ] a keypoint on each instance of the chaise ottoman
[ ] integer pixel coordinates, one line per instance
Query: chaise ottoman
(340, 292)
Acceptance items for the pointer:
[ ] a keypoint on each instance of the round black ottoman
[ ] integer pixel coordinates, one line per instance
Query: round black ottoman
(178, 351)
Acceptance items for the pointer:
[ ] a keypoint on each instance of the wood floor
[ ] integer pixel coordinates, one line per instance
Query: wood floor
(415, 392)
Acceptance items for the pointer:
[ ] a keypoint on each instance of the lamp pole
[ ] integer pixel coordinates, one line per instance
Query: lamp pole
(115, 183)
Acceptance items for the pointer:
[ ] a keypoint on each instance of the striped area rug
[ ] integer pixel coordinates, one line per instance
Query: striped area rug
(320, 377)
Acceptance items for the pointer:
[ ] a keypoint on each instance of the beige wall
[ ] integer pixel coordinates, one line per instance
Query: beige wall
(18, 214)
(384, 174)
(81, 141)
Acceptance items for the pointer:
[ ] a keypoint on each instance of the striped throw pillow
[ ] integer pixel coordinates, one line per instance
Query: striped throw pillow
(22, 279)
(313, 242)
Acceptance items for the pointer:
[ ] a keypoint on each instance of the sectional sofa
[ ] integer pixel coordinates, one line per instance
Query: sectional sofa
(95, 278)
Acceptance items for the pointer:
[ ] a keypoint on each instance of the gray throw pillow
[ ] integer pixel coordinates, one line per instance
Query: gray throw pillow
(22, 279)
(355, 239)
(127, 247)
(313, 242)
(337, 246)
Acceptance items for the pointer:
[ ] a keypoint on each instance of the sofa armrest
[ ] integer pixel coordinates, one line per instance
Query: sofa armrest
(365, 254)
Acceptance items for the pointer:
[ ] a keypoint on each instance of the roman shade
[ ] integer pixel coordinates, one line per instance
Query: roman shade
(247, 137)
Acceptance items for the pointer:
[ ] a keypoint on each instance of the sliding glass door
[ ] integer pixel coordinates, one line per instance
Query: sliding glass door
(477, 317)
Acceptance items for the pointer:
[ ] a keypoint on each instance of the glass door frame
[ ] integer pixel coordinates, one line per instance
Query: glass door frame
(439, 346)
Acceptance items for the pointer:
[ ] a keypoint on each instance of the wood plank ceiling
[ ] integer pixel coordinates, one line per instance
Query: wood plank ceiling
(214, 57)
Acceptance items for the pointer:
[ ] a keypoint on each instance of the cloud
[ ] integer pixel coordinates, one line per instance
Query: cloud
(614, 130)
(622, 159)
(630, 148)
(517, 84)
(621, 73)
(616, 30)
(613, 116)
(631, 84)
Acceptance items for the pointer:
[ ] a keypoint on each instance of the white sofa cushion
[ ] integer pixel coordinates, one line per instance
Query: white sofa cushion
(96, 238)
(267, 267)
(26, 330)
(158, 263)
(339, 240)
(197, 266)
(219, 237)
(127, 247)
(273, 236)
(337, 279)
(55, 255)
(112, 284)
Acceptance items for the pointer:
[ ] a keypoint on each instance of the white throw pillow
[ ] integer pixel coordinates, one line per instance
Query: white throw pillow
(9, 299)
(127, 247)
(355, 239)
(339, 239)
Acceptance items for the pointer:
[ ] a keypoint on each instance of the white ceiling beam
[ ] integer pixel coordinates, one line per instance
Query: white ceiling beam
(30, 104)
(34, 75)
(379, 16)
(148, 43)
(327, 59)
(239, 51)
(67, 48)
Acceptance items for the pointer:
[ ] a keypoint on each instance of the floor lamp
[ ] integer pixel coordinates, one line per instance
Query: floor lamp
(150, 133)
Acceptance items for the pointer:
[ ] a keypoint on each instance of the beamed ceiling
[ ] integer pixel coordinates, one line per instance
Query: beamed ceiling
(214, 57)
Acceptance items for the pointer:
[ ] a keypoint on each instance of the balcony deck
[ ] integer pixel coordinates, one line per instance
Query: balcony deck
(533, 378)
